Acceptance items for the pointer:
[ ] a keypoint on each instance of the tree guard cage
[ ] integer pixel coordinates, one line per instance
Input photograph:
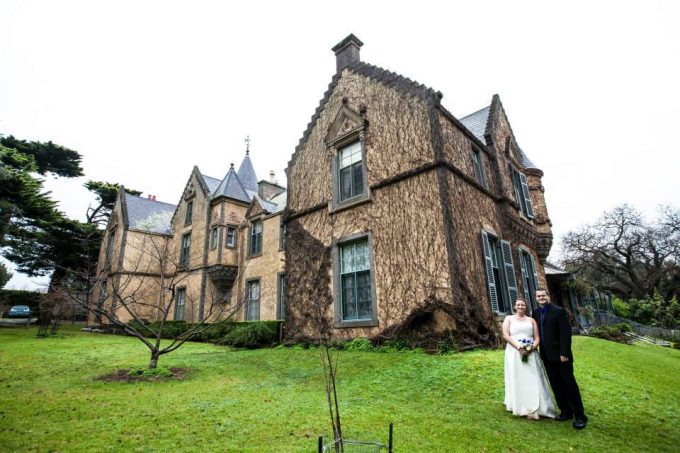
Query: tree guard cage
(355, 446)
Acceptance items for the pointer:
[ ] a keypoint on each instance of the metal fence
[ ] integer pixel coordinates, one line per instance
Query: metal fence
(603, 317)
(355, 446)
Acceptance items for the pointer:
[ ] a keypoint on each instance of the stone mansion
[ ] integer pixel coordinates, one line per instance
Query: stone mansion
(397, 216)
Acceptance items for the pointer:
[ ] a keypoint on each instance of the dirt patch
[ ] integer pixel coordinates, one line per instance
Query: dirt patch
(125, 375)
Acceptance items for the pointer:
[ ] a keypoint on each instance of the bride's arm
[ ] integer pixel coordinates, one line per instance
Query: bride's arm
(506, 333)
(537, 337)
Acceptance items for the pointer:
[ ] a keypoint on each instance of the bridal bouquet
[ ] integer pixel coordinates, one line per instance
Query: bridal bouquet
(525, 349)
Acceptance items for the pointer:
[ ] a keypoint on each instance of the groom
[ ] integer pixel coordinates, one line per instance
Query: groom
(555, 347)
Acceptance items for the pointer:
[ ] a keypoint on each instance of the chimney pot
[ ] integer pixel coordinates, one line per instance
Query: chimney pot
(347, 52)
(153, 197)
(148, 197)
(272, 177)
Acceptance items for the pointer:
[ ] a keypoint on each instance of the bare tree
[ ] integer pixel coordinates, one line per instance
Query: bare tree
(624, 253)
(145, 292)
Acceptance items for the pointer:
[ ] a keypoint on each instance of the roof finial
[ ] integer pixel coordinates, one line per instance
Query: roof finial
(232, 165)
(247, 145)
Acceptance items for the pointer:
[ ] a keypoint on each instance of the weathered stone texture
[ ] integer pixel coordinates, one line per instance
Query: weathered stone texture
(394, 143)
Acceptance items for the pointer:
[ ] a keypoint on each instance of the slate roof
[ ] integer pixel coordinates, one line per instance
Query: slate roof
(232, 187)
(476, 122)
(280, 201)
(247, 176)
(148, 215)
(211, 183)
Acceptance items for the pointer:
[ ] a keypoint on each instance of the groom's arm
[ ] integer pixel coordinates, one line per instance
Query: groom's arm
(565, 333)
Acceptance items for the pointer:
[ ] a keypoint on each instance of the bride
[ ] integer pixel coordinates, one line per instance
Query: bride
(526, 388)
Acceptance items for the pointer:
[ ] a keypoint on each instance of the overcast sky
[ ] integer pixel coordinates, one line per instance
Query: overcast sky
(145, 90)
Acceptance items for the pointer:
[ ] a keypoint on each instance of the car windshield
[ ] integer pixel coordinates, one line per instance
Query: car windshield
(20, 308)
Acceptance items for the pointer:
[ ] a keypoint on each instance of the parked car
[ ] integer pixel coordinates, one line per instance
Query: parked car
(19, 311)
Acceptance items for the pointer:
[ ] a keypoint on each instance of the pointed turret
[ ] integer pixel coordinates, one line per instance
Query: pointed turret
(246, 173)
(231, 187)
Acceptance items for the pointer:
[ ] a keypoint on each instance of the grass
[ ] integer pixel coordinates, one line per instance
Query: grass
(272, 400)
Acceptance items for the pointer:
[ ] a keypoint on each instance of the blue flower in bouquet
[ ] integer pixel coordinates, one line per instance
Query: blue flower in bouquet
(525, 349)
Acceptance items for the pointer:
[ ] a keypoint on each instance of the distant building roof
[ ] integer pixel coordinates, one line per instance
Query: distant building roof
(551, 269)
(148, 215)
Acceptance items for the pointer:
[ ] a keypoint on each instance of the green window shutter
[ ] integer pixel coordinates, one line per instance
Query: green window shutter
(527, 199)
(525, 275)
(535, 271)
(509, 268)
(490, 280)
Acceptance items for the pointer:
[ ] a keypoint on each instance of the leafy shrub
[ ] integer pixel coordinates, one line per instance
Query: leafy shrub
(611, 332)
(655, 311)
(359, 344)
(251, 335)
(621, 308)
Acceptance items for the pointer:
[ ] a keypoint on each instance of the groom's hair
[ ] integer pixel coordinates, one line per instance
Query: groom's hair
(544, 290)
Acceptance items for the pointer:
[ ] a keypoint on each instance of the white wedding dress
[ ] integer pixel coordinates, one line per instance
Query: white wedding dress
(526, 386)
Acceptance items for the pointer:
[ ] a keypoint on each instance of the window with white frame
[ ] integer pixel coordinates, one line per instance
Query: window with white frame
(253, 300)
(231, 237)
(350, 171)
(180, 300)
(356, 302)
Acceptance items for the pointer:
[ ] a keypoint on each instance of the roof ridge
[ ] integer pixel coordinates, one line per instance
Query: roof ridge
(393, 79)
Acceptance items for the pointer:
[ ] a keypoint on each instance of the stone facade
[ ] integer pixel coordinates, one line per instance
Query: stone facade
(191, 260)
(399, 219)
(449, 212)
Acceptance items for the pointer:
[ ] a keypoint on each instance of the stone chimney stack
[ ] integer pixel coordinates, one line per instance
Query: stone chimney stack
(347, 52)
(272, 177)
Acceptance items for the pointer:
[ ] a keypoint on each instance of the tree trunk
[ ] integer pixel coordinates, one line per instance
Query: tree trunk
(153, 363)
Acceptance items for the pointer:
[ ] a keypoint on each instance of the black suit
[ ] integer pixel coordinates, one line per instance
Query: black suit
(555, 333)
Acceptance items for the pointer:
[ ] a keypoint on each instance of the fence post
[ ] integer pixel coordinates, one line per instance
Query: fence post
(390, 440)
(320, 450)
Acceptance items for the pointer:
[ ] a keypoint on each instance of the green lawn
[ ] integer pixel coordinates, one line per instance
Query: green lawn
(273, 400)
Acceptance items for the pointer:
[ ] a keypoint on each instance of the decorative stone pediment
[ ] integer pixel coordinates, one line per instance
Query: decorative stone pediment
(255, 209)
(346, 123)
(190, 192)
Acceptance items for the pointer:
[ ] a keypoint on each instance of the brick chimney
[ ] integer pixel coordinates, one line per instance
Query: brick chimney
(347, 52)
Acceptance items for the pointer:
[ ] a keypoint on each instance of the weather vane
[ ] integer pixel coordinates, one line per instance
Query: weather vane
(247, 144)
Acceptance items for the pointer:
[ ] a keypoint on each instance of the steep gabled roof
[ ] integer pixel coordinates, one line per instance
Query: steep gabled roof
(232, 187)
(247, 176)
(476, 122)
(148, 215)
(479, 123)
(212, 183)
(377, 74)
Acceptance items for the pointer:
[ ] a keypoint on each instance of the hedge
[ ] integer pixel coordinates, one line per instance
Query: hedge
(243, 334)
